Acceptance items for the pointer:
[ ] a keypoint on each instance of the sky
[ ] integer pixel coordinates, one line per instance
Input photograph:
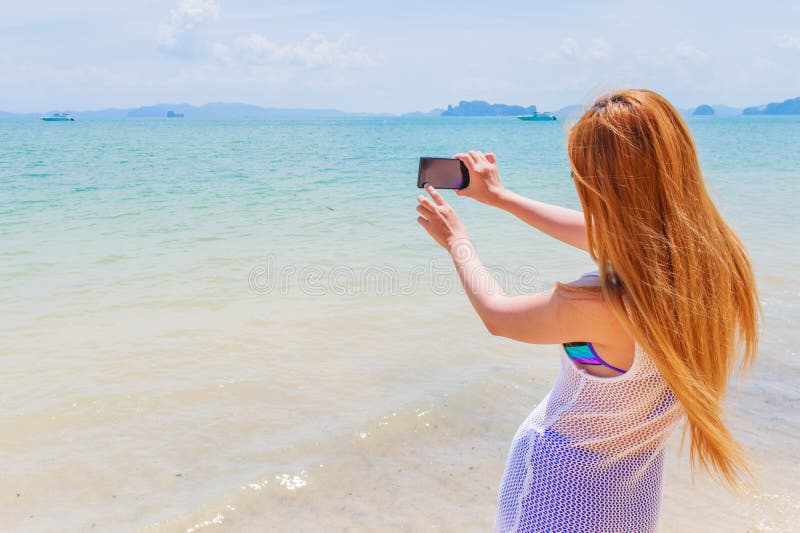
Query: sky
(394, 57)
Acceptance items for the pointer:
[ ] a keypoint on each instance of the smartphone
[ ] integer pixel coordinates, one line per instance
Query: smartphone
(442, 173)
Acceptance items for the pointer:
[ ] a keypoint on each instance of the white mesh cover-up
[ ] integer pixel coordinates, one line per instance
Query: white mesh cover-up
(589, 459)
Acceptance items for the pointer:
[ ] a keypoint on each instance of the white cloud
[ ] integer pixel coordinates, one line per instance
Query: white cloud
(597, 49)
(788, 41)
(760, 63)
(687, 50)
(600, 50)
(569, 47)
(177, 37)
(313, 51)
(221, 52)
(182, 20)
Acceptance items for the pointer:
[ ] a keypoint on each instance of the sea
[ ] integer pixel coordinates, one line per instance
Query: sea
(240, 326)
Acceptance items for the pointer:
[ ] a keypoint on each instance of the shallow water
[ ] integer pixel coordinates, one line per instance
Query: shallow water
(239, 325)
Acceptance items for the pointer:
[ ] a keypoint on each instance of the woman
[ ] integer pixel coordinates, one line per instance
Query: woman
(650, 338)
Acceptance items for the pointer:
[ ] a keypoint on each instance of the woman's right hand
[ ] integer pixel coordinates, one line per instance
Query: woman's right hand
(484, 179)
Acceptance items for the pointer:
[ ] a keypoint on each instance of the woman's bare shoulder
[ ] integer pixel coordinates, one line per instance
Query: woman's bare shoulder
(585, 300)
(585, 288)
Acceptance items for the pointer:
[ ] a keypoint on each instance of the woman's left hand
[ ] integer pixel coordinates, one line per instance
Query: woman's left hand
(440, 220)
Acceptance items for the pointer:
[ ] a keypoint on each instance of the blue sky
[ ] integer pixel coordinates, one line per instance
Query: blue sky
(392, 56)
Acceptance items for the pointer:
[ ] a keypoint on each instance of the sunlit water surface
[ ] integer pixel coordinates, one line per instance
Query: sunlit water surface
(239, 325)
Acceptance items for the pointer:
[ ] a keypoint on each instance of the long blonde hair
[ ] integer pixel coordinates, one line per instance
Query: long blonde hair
(676, 276)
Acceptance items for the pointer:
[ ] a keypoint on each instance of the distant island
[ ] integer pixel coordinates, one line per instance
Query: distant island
(787, 107)
(704, 110)
(721, 110)
(465, 108)
(211, 111)
(480, 108)
(233, 111)
(424, 114)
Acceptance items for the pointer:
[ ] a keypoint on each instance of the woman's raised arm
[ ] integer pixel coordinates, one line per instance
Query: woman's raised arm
(566, 225)
(544, 318)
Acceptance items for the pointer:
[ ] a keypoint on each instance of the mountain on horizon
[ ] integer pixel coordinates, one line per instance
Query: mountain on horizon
(235, 111)
(210, 111)
(787, 107)
(240, 111)
(721, 110)
(481, 108)
(437, 112)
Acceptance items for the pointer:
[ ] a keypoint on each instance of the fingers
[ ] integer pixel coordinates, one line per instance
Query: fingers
(437, 198)
(426, 225)
(473, 157)
(426, 203)
(486, 158)
(464, 158)
(428, 213)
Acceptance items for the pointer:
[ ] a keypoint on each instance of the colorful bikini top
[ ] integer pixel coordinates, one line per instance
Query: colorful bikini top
(583, 353)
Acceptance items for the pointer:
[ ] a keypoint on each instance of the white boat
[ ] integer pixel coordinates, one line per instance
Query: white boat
(59, 117)
(538, 117)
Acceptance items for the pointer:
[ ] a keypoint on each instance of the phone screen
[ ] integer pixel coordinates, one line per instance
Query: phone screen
(442, 173)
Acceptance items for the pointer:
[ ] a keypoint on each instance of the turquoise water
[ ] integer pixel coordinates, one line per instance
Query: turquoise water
(233, 324)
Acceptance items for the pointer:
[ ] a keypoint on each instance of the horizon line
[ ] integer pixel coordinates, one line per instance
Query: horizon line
(327, 109)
